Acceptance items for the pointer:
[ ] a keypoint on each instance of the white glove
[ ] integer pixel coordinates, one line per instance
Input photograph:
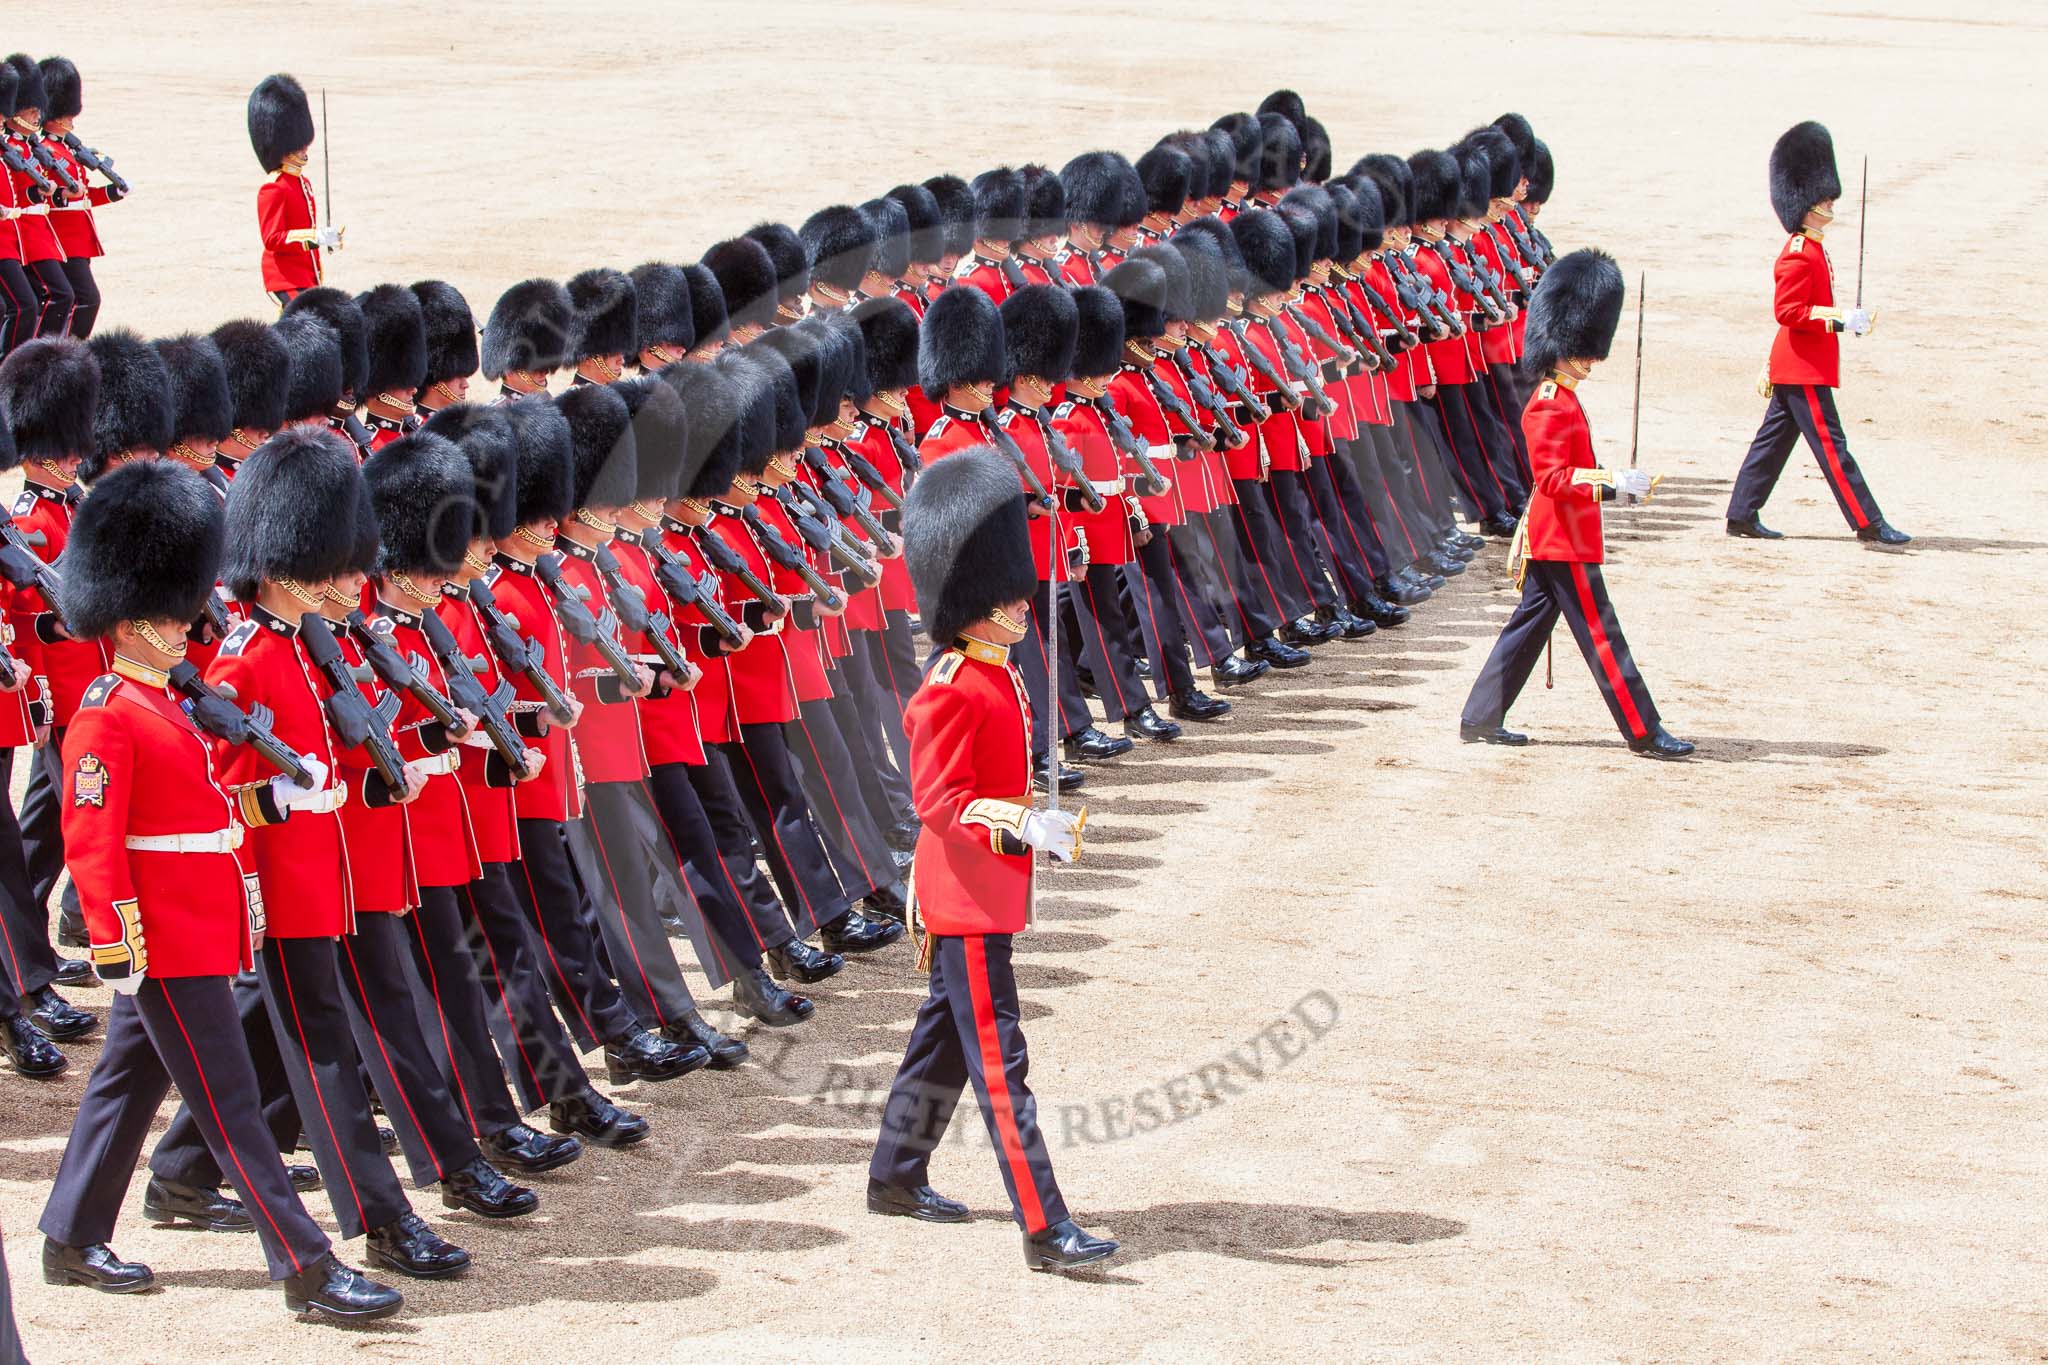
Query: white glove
(290, 795)
(1631, 483)
(1857, 322)
(1054, 831)
(125, 985)
(328, 238)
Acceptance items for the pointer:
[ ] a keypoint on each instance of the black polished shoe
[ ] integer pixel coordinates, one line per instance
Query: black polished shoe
(1235, 672)
(96, 1267)
(1277, 654)
(1064, 1246)
(1497, 528)
(75, 973)
(410, 1247)
(886, 902)
(1349, 626)
(529, 1151)
(642, 1056)
(593, 1118)
(902, 836)
(1195, 704)
(1306, 631)
(921, 1202)
(1490, 734)
(71, 933)
(1093, 746)
(1458, 545)
(726, 1053)
(1661, 743)
(1882, 532)
(167, 1201)
(1402, 592)
(388, 1140)
(304, 1179)
(1143, 666)
(30, 1049)
(1380, 611)
(339, 1293)
(57, 1017)
(799, 961)
(755, 995)
(1043, 775)
(1752, 529)
(1145, 723)
(1465, 540)
(1443, 565)
(479, 1188)
(1418, 578)
(852, 933)
(673, 926)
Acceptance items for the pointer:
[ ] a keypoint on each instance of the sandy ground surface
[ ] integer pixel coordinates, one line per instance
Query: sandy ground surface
(1594, 1059)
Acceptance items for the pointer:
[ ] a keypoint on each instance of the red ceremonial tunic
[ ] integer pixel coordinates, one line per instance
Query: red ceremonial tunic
(870, 440)
(1569, 485)
(285, 205)
(763, 690)
(802, 640)
(70, 665)
(1282, 434)
(710, 701)
(1449, 360)
(1107, 533)
(1807, 349)
(1020, 425)
(1207, 485)
(985, 275)
(493, 816)
(1132, 396)
(607, 739)
(969, 727)
(379, 837)
(76, 232)
(37, 239)
(442, 839)
(557, 794)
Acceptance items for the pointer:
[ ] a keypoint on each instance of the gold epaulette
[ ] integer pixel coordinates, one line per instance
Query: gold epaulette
(947, 667)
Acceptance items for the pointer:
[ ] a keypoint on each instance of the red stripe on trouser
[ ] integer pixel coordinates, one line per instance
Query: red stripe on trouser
(1833, 458)
(504, 996)
(776, 834)
(426, 964)
(997, 1081)
(1393, 504)
(1415, 449)
(363, 995)
(292, 998)
(1142, 590)
(540, 927)
(1102, 645)
(1250, 547)
(1293, 556)
(1479, 442)
(818, 763)
(710, 931)
(243, 1185)
(1604, 652)
(1187, 607)
(618, 903)
(1350, 530)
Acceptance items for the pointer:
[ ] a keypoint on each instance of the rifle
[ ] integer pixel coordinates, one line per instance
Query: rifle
(871, 477)
(1000, 439)
(93, 160)
(687, 588)
(1317, 332)
(1231, 378)
(906, 453)
(355, 721)
(1510, 258)
(786, 555)
(1283, 392)
(21, 566)
(635, 615)
(1163, 394)
(213, 616)
(845, 499)
(1463, 278)
(1402, 331)
(1422, 295)
(815, 524)
(1523, 242)
(516, 653)
(39, 187)
(1065, 461)
(54, 169)
(1150, 483)
(1206, 397)
(212, 712)
(468, 693)
(724, 559)
(1310, 375)
(399, 674)
(597, 631)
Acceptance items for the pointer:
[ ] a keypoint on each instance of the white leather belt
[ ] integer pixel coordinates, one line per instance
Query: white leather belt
(329, 801)
(220, 841)
(1108, 488)
(1159, 453)
(33, 211)
(441, 764)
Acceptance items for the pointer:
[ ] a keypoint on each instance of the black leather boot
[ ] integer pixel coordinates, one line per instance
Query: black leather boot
(1195, 704)
(410, 1247)
(529, 1151)
(755, 995)
(479, 1188)
(96, 1267)
(1661, 743)
(1145, 723)
(1277, 653)
(1231, 671)
(1093, 746)
(799, 961)
(593, 1118)
(640, 1056)
(1064, 1246)
(167, 1201)
(339, 1293)
(30, 1049)
(852, 933)
(57, 1017)
(921, 1202)
(693, 1028)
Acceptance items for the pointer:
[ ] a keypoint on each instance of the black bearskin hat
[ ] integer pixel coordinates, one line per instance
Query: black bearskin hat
(1267, 245)
(1542, 174)
(1178, 301)
(1802, 174)
(280, 120)
(484, 436)
(961, 342)
(1475, 180)
(351, 332)
(707, 305)
(1396, 184)
(889, 221)
(1098, 332)
(259, 369)
(839, 352)
(746, 279)
(888, 333)
(450, 331)
(965, 541)
(1208, 279)
(607, 314)
(1287, 105)
(1503, 160)
(291, 511)
(313, 379)
(754, 403)
(1165, 172)
(711, 415)
(1280, 154)
(803, 350)
(144, 547)
(135, 408)
(1222, 159)
(423, 493)
(63, 91)
(1103, 188)
(529, 329)
(202, 404)
(1195, 147)
(666, 318)
(50, 390)
(998, 205)
(1045, 203)
(790, 419)
(839, 244)
(1315, 153)
(1040, 327)
(1212, 235)
(28, 90)
(1140, 286)
(541, 448)
(1344, 212)
(10, 83)
(395, 332)
(792, 268)
(955, 202)
(1437, 184)
(1247, 144)
(857, 388)
(367, 545)
(1367, 212)
(600, 445)
(1574, 311)
(659, 439)
(1521, 135)
(1317, 201)
(1305, 230)
(921, 208)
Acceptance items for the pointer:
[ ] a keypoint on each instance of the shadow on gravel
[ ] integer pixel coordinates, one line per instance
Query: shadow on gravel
(1278, 1234)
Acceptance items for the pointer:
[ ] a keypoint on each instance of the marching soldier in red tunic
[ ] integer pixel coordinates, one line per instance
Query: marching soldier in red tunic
(395, 339)
(344, 317)
(281, 131)
(153, 834)
(42, 249)
(1805, 364)
(1571, 327)
(527, 337)
(451, 359)
(970, 734)
(63, 100)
